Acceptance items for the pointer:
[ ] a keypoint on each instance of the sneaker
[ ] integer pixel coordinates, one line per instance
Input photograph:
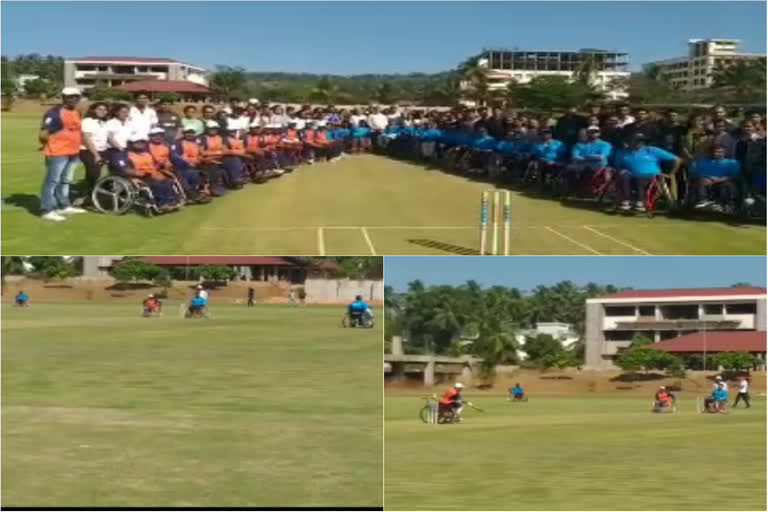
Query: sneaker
(70, 210)
(702, 204)
(54, 216)
(639, 206)
(624, 206)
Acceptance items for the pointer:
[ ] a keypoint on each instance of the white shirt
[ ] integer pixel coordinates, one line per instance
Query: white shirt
(97, 129)
(238, 123)
(143, 120)
(120, 132)
(203, 294)
(743, 386)
(723, 383)
(378, 121)
(627, 120)
(300, 123)
(355, 120)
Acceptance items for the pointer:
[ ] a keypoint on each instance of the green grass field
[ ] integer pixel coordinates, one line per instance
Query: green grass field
(270, 406)
(575, 453)
(361, 205)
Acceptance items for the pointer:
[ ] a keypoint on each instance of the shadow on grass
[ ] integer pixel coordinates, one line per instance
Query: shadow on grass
(432, 244)
(29, 202)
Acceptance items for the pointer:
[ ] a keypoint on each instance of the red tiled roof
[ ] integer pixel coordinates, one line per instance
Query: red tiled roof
(686, 292)
(217, 260)
(180, 86)
(715, 341)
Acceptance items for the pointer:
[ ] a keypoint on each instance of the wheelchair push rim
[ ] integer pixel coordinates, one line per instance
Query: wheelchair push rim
(113, 195)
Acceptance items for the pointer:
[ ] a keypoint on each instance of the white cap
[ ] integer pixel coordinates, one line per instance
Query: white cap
(199, 287)
(136, 137)
(211, 124)
(253, 101)
(255, 124)
(151, 295)
(71, 91)
(156, 131)
(662, 387)
(718, 378)
(459, 385)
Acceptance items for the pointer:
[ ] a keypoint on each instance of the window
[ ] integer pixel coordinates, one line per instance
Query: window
(647, 310)
(713, 309)
(142, 69)
(158, 69)
(619, 335)
(85, 67)
(620, 311)
(741, 309)
(680, 312)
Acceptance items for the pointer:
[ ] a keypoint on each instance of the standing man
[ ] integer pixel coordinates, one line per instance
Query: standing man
(202, 293)
(142, 117)
(61, 136)
(743, 392)
(168, 121)
(251, 294)
(378, 123)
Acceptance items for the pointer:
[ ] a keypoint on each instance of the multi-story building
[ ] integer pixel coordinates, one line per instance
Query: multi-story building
(608, 69)
(696, 70)
(612, 321)
(86, 72)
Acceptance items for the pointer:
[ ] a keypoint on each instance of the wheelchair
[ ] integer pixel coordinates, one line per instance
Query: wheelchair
(115, 194)
(657, 407)
(364, 320)
(711, 406)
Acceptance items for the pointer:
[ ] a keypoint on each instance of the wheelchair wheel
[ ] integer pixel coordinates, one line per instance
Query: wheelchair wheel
(113, 195)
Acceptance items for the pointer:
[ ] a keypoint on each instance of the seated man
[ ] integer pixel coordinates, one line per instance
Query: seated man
(291, 146)
(234, 158)
(638, 165)
(193, 170)
(451, 402)
(586, 158)
(715, 177)
(151, 305)
(22, 299)
(663, 398)
(137, 163)
(516, 392)
(357, 309)
(483, 146)
(197, 304)
(429, 139)
(213, 152)
(549, 153)
(718, 400)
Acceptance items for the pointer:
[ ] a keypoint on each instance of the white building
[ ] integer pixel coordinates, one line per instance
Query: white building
(609, 69)
(612, 321)
(86, 72)
(561, 331)
(695, 70)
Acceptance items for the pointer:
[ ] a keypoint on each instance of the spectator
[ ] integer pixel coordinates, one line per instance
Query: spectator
(672, 133)
(624, 116)
(93, 151)
(743, 393)
(567, 127)
(191, 121)
(168, 121)
(698, 141)
(142, 116)
(724, 137)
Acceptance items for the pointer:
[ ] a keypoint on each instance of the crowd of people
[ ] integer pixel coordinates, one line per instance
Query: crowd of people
(715, 160)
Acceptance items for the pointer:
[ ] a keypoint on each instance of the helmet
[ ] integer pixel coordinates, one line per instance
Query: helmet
(662, 387)
(458, 385)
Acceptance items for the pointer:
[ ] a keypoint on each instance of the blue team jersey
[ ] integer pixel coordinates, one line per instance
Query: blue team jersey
(360, 132)
(517, 390)
(22, 297)
(393, 130)
(431, 135)
(359, 305)
(507, 147)
(592, 152)
(720, 395)
(644, 162)
(484, 143)
(716, 168)
(551, 151)
(198, 301)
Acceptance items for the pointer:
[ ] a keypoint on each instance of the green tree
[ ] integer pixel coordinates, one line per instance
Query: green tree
(744, 79)
(228, 81)
(218, 273)
(735, 360)
(100, 92)
(132, 270)
(53, 267)
(645, 359)
(555, 92)
(41, 88)
(170, 97)
(325, 91)
(640, 340)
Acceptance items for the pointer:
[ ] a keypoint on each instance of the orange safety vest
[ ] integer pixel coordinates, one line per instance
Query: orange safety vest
(271, 140)
(214, 145)
(449, 396)
(291, 136)
(236, 145)
(321, 138)
(143, 164)
(309, 135)
(65, 141)
(253, 142)
(190, 152)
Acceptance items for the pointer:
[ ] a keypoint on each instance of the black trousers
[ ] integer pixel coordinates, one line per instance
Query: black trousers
(250, 301)
(92, 169)
(742, 396)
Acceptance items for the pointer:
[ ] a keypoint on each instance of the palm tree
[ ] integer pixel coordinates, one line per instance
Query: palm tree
(744, 78)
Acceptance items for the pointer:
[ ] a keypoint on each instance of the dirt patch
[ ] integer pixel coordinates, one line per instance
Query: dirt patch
(584, 382)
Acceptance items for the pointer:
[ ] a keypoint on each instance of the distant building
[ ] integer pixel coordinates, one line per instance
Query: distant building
(86, 72)
(561, 331)
(23, 79)
(695, 71)
(609, 69)
(612, 321)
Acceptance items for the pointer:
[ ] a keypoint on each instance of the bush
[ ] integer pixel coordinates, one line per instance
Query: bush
(735, 360)
(169, 97)
(217, 273)
(135, 270)
(649, 359)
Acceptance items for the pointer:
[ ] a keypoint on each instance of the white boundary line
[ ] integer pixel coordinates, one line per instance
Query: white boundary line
(368, 240)
(583, 246)
(625, 244)
(320, 242)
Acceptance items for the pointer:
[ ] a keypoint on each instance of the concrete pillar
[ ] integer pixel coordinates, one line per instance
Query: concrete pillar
(429, 373)
(397, 345)
(398, 370)
(656, 336)
(593, 335)
(466, 374)
(760, 319)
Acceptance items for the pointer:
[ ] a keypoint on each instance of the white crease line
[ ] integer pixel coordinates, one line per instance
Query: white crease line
(583, 246)
(368, 240)
(625, 244)
(320, 242)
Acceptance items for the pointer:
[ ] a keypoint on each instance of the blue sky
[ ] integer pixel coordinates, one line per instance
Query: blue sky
(526, 272)
(357, 37)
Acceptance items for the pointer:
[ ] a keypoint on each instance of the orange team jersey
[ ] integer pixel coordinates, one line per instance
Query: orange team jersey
(663, 396)
(321, 138)
(270, 141)
(309, 136)
(143, 164)
(190, 152)
(449, 396)
(65, 135)
(291, 137)
(253, 143)
(236, 146)
(214, 145)
(162, 155)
